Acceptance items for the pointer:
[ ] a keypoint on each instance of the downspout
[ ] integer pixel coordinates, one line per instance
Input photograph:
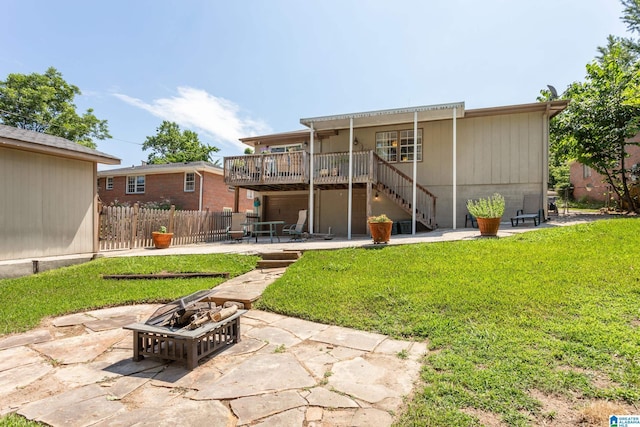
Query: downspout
(311, 179)
(455, 167)
(200, 195)
(415, 171)
(545, 160)
(350, 197)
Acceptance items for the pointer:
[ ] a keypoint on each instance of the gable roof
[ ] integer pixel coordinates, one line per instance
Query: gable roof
(200, 166)
(38, 142)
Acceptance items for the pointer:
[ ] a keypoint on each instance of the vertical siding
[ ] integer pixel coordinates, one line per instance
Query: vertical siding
(47, 205)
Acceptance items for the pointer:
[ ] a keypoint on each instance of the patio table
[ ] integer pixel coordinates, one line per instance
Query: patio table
(257, 228)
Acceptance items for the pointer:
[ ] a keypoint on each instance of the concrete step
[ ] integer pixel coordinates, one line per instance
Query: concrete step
(278, 259)
(284, 255)
(275, 263)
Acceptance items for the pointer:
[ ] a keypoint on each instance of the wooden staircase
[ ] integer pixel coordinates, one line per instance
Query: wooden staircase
(278, 259)
(398, 188)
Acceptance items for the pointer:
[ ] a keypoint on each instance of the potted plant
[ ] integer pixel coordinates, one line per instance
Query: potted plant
(380, 227)
(161, 239)
(488, 212)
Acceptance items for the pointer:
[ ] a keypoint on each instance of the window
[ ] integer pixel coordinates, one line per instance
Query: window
(189, 181)
(285, 148)
(250, 194)
(406, 145)
(109, 185)
(586, 171)
(392, 149)
(135, 184)
(387, 146)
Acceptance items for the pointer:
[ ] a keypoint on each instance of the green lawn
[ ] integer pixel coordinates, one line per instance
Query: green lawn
(25, 301)
(555, 310)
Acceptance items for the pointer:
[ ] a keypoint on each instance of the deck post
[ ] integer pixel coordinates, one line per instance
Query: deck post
(311, 169)
(350, 197)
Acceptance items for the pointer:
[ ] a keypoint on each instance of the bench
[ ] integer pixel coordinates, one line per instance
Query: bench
(522, 217)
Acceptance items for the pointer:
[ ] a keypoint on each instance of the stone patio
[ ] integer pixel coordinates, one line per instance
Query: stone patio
(78, 371)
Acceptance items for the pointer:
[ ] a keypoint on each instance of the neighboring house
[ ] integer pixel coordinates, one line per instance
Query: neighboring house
(188, 186)
(48, 193)
(590, 185)
(501, 149)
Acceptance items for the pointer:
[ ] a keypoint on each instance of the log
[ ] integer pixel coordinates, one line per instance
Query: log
(163, 276)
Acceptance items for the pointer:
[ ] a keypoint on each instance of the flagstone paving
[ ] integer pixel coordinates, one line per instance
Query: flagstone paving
(77, 370)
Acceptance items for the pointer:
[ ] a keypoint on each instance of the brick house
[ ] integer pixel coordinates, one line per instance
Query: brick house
(590, 185)
(188, 186)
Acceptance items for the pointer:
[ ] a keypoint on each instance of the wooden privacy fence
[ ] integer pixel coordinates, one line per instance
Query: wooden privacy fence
(130, 227)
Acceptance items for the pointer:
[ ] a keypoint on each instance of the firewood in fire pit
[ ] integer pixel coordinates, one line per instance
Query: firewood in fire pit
(212, 316)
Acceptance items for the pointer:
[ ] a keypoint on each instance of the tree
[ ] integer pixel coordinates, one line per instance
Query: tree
(170, 145)
(603, 115)
(44, 103)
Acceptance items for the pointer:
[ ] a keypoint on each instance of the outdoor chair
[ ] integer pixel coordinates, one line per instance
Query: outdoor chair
(531, 209)
(474, 222)
(236, 231)
(295, 230)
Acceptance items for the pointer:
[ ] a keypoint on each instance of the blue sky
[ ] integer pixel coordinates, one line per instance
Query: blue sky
(231, 69)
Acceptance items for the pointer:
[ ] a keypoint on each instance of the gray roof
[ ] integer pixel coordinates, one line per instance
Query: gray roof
(164, 168)
(41, 142)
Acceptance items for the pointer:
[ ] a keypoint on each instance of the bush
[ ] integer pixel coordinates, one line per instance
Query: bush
(491, 207)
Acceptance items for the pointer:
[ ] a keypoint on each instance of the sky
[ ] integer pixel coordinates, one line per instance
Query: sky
(233, 69)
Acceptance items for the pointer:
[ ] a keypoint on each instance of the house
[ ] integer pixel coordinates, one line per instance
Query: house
(590, 185)
(347, 167)
(48, 193)
(188, 186)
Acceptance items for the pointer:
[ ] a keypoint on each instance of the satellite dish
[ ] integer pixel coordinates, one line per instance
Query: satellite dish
(554, 92)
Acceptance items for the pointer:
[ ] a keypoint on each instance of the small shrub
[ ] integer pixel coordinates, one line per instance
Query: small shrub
(491, 207)
(379, 218)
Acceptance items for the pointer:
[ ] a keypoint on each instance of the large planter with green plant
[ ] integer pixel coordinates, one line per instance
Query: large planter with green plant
(488, 213)
(380, 227)
(161, 239)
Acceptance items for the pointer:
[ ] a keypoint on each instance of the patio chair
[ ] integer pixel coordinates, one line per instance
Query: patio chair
(474, 222)
(531, 209)
(236, 231)
(295, 230)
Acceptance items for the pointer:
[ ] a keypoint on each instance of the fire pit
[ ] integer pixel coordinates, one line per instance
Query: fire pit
(187, 329)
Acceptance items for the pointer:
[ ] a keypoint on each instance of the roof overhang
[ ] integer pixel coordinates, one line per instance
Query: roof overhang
(552, 107)
(163, 169)
(386, 117)
(37, 142)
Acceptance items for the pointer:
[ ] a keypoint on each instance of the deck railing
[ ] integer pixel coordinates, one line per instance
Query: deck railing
(399, 187)
(274, 168)
(293, 168)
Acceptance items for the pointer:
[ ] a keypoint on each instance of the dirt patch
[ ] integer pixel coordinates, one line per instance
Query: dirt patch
(597, 379)
(561, 411)
(487, 419)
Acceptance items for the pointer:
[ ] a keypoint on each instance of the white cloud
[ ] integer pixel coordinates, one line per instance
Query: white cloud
(197, 110)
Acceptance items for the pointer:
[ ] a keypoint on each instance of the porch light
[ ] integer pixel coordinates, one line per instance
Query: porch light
(376, 196)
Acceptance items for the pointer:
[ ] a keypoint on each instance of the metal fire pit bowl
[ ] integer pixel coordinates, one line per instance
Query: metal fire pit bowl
(164, 336)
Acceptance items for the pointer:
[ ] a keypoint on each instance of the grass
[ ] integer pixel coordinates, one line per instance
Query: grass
(27, 300)
(555, 310)
(549, 310)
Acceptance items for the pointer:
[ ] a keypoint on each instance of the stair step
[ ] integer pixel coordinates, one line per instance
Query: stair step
(275, 263)
(285, 255)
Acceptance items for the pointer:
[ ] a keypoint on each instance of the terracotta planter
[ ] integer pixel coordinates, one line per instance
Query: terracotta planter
(488, 226)
(161, 240)
(380, 231)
